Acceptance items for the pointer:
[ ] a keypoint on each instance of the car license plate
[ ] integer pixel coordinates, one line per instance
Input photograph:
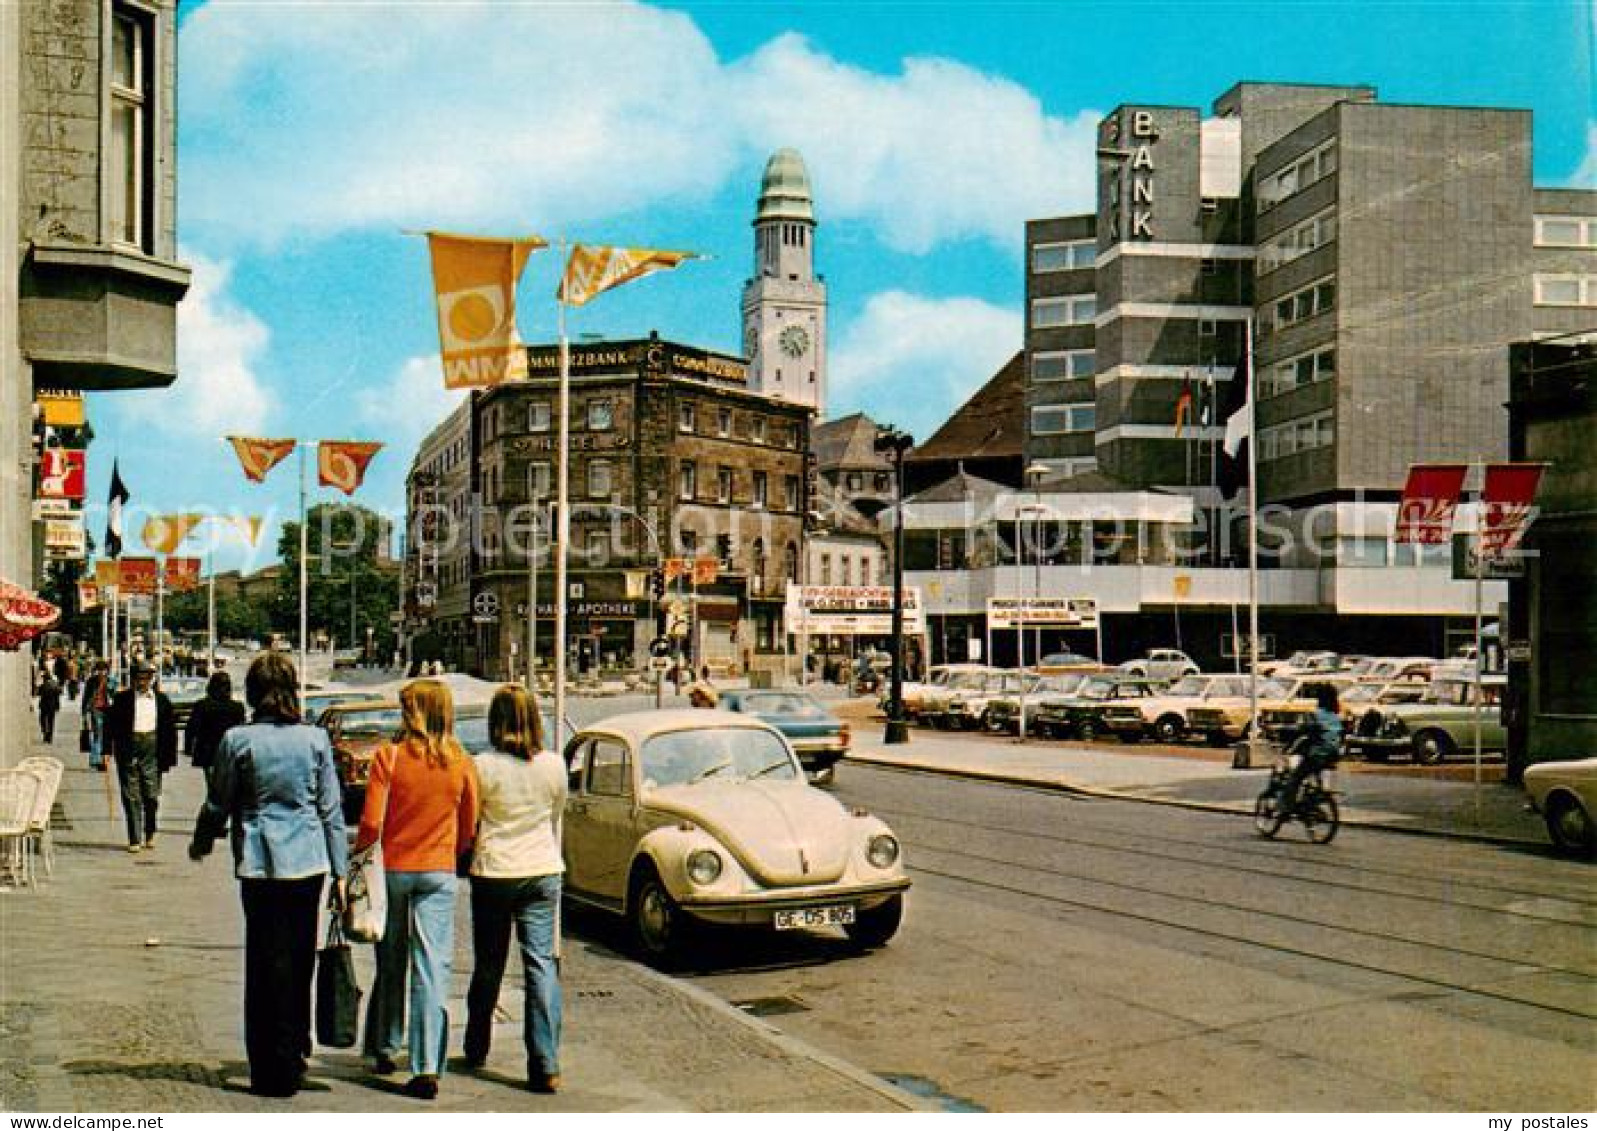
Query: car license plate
(815, 917)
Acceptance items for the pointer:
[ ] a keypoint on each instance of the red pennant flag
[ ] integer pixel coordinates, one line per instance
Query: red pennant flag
(138, 576)
(342, 463)
(1429, 499)
(182, 574)
(1507, 505)
(259, 456)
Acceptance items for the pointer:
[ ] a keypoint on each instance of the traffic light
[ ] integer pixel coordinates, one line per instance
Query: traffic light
(657, 584)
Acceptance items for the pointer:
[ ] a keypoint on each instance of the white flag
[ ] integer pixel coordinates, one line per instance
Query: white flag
(1238, 428)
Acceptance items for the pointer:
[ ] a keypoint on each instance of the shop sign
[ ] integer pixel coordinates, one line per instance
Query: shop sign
(1050, 612)
(851, 610)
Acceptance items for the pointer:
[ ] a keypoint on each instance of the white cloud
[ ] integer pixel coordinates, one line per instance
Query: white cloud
(942, 348)
(495, 117)
(409, 404)
(219, 344)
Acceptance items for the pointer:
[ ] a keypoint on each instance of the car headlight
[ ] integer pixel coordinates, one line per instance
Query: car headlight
(882, 851)
(704, 866)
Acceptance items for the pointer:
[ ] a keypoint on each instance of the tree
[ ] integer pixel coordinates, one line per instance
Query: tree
(352, 536)
(236, 618)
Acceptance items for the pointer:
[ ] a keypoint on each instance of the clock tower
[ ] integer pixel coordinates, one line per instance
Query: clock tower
(784, 304)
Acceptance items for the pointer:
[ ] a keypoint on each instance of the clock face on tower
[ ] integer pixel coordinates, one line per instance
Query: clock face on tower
(794, 341)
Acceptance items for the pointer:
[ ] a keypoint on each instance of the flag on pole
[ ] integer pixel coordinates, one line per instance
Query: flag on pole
(1507, 507)
(259, 456)
(137, 576)
(1239, 426)
(1429, 499)
(1184, 405)
(594, 268)
(164, 532)
(248, 525)
(474, 281)
(117, 499)
(342, 463)
(182, 574)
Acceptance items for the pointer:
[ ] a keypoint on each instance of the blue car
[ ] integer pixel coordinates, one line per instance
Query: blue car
(818, 737)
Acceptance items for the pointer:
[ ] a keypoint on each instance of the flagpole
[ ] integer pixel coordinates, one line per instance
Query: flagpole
(160, 619)
(1253, 546)
(210, 610)
(304, 584)
(562, 527)
(1480, 657)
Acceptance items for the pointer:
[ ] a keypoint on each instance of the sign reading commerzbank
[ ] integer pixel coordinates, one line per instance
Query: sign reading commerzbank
(657, 357)
(1052, 612)
(851, 610)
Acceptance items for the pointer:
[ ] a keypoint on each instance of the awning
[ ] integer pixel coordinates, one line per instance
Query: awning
(23, 616)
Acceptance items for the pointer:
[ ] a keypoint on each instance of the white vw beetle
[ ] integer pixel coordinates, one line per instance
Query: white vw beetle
(676, 816)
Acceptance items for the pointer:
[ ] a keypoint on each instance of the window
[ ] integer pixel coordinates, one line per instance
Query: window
(687, 482)
(723, 484)
(1048, 420)
(1566, 231)
(685, 417)
(1295, 372)
(1062, 365)
(826, 569)
(757, 429)
(538, 416)
(598, 546)
(130, 174)
(1299, 240)
(855, 481)
(1208, 327)
(723, 422)
(1309, 302)
(1072, 256)
(599, 479)
(1566, 290)
(1074, 310)
(538, 480)
(601, 416)
(846, 565)
(761, 489)
(757, 562)
(881, 481)
(1313, 166)
(790, 492)
(723, 550)
(609, 769)
(1305, 435)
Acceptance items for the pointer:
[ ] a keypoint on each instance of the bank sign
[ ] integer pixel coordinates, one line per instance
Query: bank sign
(1042, 612)
(851, 610)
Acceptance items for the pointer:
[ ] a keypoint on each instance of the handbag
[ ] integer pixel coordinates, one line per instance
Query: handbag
(85, 740)
(365, 898)
(337, 992)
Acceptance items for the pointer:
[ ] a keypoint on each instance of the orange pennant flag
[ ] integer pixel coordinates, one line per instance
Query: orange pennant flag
(164, 532)
(594, 268)
(474, 280)
(259, 456)
(342, 463)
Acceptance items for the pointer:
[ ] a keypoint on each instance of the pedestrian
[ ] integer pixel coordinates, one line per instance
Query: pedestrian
(273, 782)
(49, 706)
(421, 803)
(141, 734)
(96, 701)
(516, 875)
(211, 718)
(72, 677)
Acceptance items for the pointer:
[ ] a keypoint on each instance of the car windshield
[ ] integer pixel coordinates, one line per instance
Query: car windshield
(1363, 693)
(785, 703)
(1227, 687)
(969, 681)
(1190, 685)
(1061, 684)
(371, 724)
(1097, 689)
(686, 757)
(1276, 689)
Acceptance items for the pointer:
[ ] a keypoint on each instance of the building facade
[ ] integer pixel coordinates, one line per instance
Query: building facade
(784, 303)
(672, 457)
(88, 256)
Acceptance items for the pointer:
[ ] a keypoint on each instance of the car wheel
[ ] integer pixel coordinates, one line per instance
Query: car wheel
(1169, 729)
(1431, 746)
(657, 925)
(872, 928)
(1570, 826)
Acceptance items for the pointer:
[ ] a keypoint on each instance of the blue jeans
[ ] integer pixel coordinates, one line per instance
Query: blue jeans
(418, 941)
(533, 905)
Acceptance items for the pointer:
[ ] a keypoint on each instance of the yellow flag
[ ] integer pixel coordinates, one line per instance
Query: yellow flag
(475, 283)
(163, 532)
(250, 526)
(593, 268)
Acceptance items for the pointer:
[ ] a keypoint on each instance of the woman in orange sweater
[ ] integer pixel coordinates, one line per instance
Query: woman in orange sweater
(421, 802)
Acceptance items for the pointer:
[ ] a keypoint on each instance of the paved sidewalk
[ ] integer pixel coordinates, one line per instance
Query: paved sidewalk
(121, 983)
(1414, 802)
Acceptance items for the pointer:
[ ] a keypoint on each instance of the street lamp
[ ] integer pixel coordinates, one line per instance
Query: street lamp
(893, 443)
(1034, 475)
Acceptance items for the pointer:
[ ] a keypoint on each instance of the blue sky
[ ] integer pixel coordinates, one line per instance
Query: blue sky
(314, 136)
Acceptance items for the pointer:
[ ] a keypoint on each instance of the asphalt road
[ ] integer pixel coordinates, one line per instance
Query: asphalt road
(1072, 954)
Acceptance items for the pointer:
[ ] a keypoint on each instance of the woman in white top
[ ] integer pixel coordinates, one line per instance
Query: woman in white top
(515, 878)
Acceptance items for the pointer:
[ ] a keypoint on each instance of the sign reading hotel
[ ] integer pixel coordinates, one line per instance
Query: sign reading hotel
(1045, 612)
(851, 610)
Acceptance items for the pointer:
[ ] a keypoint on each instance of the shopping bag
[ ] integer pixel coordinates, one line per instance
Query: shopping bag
(366, 898)
(337, 993)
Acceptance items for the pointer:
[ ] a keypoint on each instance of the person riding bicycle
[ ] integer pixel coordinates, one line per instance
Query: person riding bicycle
(1318, 744)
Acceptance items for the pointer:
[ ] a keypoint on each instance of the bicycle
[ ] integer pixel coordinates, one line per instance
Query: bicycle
(1316, 804)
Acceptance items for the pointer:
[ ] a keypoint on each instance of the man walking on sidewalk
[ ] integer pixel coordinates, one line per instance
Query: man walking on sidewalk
(49, 706)
(141, 734)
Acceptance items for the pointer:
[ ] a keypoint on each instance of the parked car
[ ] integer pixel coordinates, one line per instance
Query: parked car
(1565, 794)
(1439, 726)
(817, 736)
(1162, 715)
(1280, 721)
(1224, 718)
(934, 703)
(1003, 711)
(1383, 669)
(1305, 663)
(968, 709)
(1162, 663)
(184, 691)
(317, 702)
(684, 817)
(1081, 713)
(1056, 662)
(937, 677)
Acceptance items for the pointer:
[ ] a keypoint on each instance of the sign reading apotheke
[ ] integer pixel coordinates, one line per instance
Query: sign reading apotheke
(1051, 612)
(851, 610)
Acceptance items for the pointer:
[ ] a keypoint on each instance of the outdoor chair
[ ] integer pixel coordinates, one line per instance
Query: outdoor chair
(39, 841)
(18, 788)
